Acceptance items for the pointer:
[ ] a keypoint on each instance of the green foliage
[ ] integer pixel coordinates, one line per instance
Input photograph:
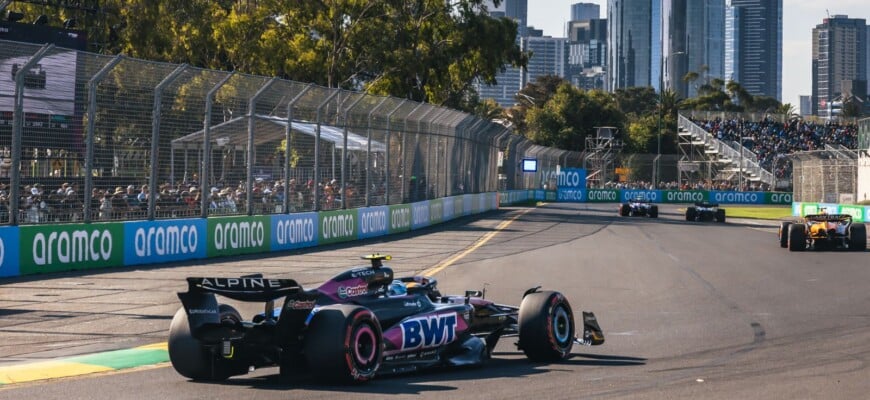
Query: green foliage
(570, 116)
(636, 100)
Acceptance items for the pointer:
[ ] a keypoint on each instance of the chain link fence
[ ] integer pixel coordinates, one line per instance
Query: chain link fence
(87, 137)
(827, 176)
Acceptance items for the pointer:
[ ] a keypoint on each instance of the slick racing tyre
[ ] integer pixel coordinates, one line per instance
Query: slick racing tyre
(193, 360)
(783, 234)
(546, 325)
(624, 210)
(691, 213)
(857, 237)
(654, 211)
(720, 216)
(344, 344)
(797, 237)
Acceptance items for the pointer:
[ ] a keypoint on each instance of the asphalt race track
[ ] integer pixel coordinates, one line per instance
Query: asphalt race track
(689, 310)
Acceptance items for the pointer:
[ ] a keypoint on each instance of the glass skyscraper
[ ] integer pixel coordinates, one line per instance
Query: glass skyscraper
(839, 61)
(632, 33)
(754, 36)
(694, 42)
(585, 11)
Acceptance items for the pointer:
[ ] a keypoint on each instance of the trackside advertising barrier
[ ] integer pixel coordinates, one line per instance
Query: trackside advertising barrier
(581, 195)
(9, 251)
(35, 249)
(151, 242)
(858, 213)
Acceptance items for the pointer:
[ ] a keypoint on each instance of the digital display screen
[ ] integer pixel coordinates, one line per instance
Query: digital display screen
(530, 165)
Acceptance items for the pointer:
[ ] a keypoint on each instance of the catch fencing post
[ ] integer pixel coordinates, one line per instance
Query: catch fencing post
(91, 133)
(317, 147)
(287, 133)
(205, 174)
(252, 115)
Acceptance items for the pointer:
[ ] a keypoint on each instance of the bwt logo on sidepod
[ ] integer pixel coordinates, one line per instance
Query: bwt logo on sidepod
(239, 235)
(373, 221)
(337, 226)
(429, 331)
(69, 247)
(165, 241)
(400, 218)
(295, 231)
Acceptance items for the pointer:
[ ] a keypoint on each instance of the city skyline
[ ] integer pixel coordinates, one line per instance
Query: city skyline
(799, 18)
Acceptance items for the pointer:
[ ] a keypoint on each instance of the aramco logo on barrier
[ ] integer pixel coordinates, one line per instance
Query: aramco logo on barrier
(736, 197)
(70, 247)
(373, 221)
(684, 197)
(170, 240)
(239, 235)
(781, 198)
(400, 218)
(295, 231)
(337, 226)
(572, 178)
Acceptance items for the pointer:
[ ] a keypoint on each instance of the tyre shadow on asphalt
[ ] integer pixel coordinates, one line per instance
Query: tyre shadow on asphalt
(421, 382)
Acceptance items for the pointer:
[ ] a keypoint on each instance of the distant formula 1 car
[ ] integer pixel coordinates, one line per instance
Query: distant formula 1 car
(705, 212)
(639, 207)
(823, 232)
(359, 324)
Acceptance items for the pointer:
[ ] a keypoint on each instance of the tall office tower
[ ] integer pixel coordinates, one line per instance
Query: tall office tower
(549, 57)
(633, 50)
(511, 80)
(839, 62)
(585, 11)
(587, 53)
(754, 46)
(694, 42)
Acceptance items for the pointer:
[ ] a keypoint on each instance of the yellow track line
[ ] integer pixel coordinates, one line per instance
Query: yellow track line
(480, 242)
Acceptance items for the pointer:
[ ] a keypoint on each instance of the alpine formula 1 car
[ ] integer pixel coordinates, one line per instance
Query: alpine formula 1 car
(361, 323)
(705, 212)
(823, 232)
(639, 207)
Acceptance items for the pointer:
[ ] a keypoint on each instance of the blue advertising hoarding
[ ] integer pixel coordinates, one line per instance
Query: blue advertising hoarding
(294, 231)
(571, 195)
(448, 208)
(9, 251)
(732, 197)
(420, 214)
(150, 242)
(373, 221)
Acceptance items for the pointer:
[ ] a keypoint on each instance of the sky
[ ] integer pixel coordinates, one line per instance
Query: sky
(799, 18)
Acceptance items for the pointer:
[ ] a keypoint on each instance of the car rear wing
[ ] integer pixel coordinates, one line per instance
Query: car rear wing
(828, 217)
(705, 204)
(248, 288)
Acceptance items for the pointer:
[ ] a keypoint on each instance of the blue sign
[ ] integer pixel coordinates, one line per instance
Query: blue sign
(796, 209)
(373, 221)
(733, 197)
(867, 214)
(9, 248)
(653, 196)
(294, 231)
(420, 214)
(448, 203)
(571, 195)
(150, 242)
(572, 178)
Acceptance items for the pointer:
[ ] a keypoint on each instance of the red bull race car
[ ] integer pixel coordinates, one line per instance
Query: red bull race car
(361, 323)
(823, 232)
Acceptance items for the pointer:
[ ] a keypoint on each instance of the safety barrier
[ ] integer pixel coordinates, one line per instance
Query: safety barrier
(35, 249)
(858, 213)
(655, 196)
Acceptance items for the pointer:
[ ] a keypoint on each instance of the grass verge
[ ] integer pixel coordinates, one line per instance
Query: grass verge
(758, 212)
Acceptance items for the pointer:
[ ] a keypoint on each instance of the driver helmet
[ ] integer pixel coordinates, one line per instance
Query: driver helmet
(397, 288)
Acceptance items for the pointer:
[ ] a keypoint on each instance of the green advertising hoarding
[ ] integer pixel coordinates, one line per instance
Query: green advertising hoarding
(56, 248)
(857, 212)
(338, 226)
(777, 198)
(238, 235)
(436, 211)
(400, 218)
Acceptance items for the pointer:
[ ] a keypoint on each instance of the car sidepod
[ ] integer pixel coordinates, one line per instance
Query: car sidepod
(438, 337)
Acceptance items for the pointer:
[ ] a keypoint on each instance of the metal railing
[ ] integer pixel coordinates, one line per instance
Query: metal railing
(87, 137)
(748, 163)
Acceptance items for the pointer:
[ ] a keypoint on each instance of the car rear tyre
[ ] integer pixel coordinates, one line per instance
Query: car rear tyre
(691, 214)
(797, 237)
(191, 358)
(783, 234)
(654, 211)
(344, 344)
(546, 325)
(720, 216)
(624, 210)
(858, 237)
